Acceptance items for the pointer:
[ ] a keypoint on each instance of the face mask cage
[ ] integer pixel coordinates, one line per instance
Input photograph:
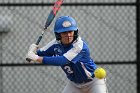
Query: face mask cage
(58, 37)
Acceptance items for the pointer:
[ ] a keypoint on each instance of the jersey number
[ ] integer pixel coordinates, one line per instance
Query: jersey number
(68, 69)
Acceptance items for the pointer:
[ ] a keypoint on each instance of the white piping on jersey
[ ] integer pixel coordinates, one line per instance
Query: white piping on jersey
(73, 52)
(49, 45)
(86, 71)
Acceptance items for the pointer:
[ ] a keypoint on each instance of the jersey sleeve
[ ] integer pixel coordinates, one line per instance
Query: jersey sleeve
(55, 60)
(47, 50)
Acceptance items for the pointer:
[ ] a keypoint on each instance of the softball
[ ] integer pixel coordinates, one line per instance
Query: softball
(100, 73)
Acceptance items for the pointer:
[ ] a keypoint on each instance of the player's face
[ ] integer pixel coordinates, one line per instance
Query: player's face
(67, 37)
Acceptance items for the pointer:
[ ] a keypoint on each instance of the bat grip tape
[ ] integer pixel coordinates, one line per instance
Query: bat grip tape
(39, 39)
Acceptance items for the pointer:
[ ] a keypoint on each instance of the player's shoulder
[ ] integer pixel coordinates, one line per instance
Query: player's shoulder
(78, 43)
(81, 42)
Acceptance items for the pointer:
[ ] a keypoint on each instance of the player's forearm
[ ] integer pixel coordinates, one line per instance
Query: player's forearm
(56, 60)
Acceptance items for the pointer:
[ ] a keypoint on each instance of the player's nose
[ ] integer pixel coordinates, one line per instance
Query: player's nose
(69, 33)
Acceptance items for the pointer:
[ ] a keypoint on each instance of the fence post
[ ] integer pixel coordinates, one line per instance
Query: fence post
(1, 84)
(138, 45)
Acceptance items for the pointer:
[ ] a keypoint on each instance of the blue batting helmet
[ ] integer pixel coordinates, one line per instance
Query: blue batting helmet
(64, 24)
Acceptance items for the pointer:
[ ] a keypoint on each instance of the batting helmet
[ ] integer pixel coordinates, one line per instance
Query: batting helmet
(64, 24)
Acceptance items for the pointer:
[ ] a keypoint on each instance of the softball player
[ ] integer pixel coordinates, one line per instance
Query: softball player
(70, 52)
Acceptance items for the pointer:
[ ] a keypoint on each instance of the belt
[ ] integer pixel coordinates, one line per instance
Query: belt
(87, 80)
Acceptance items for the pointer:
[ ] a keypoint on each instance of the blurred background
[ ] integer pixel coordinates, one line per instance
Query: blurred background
(111, 28)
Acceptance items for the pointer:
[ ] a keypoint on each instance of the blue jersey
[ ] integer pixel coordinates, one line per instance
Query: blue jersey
(74, 59)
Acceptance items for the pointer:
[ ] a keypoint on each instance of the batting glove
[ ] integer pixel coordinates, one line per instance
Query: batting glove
(31, 55)
(33, 48)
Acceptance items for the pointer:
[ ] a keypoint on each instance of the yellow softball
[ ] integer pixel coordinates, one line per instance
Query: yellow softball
(100, 73)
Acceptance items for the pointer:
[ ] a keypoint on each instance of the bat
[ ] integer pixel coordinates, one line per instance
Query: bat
(50, 18)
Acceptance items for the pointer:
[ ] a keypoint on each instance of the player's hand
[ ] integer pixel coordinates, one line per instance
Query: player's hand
(33, 48)
(31, 55)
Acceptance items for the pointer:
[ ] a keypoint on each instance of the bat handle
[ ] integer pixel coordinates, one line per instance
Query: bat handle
(39, 39)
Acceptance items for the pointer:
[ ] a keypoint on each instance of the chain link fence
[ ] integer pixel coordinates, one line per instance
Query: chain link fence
(110, 31)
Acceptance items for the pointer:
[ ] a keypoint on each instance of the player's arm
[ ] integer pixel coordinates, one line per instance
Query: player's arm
(33, 50)
(44, 51)
(43, 55)
(47, 50)
(55, 61)
(71, 56)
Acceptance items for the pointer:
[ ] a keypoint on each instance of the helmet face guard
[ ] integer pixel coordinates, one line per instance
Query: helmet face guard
(58, 37)
(65, 24)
